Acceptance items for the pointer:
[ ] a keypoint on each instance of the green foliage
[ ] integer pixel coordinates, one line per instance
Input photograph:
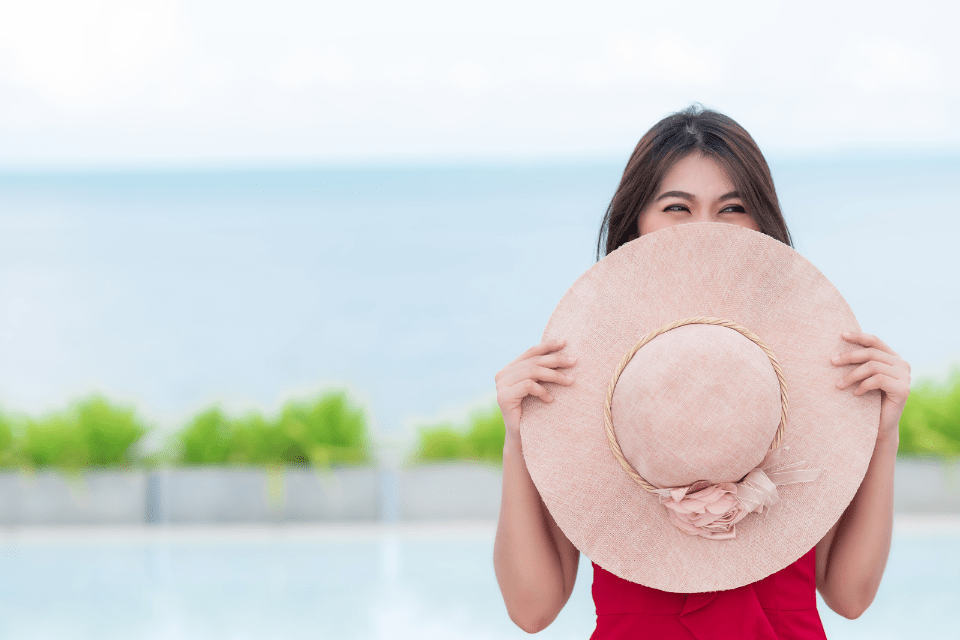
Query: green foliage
(324, 431)
(257, 440)
(9, 456)
(321, 432)
(91, 432)
(207, 438)
(930, 424)
(481, 439)
(441, 442)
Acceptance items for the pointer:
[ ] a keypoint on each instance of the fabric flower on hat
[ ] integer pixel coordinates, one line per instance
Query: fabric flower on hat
(713, 510)
(710, 512)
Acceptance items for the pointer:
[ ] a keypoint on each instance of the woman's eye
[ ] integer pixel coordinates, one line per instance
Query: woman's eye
(677, 207)
(734, 208)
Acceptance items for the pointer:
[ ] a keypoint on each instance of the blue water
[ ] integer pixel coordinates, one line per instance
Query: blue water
(414, 583)
(412, 286)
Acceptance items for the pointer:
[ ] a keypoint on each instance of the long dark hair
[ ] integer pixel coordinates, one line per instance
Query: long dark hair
(694, 129)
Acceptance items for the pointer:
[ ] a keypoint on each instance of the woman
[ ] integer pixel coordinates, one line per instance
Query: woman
(693, 166)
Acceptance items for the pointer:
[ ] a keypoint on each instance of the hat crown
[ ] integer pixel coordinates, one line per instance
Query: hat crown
(697, 402)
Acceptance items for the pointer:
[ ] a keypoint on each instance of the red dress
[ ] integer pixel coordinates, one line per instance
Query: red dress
(782, 606)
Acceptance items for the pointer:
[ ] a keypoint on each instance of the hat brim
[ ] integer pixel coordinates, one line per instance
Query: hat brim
(698, 269)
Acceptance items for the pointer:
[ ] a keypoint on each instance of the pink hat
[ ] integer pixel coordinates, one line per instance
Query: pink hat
(703, 444)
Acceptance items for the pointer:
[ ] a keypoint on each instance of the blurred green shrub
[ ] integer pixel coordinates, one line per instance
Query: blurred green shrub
(207, 438)
(930, 424)
(89, 433)
(441, 442)
(327, 430)
(480, 439)
(9, 456)
(322, 431)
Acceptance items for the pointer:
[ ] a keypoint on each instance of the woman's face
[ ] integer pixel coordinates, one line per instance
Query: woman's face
(695, 190)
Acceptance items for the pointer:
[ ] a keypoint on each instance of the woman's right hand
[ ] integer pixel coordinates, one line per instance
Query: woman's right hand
(522, 377)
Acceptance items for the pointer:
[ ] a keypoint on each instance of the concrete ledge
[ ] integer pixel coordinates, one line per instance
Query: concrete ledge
(224, 495)
(428, 493)
(209, 494)
(90, 497)
(451, 491)
(341, 495)
(926, 486)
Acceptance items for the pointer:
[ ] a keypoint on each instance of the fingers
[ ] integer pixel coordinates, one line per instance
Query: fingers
(867, 340)
(882, 369)
(523, 377)
(540, 355)
(865, 371)
(544, 347)
(510, 396)
(532, 371)
(554, 361)
(893, 387)
(863, 355)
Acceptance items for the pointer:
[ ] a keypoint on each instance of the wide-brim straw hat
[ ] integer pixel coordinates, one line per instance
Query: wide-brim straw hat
(703, 381)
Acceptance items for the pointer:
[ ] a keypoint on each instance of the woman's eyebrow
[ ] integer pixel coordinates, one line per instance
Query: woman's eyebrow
(675, 194)
(689, 196)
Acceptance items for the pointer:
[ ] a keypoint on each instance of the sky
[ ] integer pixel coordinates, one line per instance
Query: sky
(160, 83)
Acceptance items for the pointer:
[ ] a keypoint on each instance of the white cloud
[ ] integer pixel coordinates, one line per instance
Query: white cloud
(306, 65)
(86, 54)
(407, 70)
(890, 66)
(470, 76)
(210, 81)
(662, 58)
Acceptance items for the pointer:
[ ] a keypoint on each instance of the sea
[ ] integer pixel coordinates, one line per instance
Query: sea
(410, 285)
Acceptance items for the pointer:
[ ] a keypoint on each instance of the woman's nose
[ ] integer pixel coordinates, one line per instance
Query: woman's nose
(702, 215)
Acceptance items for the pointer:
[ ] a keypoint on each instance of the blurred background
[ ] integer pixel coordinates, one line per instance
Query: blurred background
(259, 264)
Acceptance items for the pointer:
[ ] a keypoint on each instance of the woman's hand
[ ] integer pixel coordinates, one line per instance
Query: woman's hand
(521, 378)
(882, 368)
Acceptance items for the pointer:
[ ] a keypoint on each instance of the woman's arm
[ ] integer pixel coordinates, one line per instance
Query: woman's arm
(535, 563)
(852, 556)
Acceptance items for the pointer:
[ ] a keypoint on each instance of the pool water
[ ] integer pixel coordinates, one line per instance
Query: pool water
(367, 581)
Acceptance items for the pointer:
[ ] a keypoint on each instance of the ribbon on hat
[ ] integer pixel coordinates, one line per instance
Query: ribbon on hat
(713, 510)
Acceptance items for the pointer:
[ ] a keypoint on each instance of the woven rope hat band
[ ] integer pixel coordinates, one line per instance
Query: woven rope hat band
(698, 401)
(607, 413)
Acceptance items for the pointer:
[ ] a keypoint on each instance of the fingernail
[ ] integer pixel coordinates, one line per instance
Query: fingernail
(847, 333)
(834, 358)
(571, 358)
(840, 382)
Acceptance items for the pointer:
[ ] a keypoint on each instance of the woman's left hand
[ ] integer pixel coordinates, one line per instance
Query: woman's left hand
(882, 368)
